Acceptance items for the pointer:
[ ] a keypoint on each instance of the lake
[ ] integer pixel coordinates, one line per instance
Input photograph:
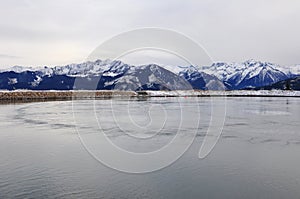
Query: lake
(46, 148)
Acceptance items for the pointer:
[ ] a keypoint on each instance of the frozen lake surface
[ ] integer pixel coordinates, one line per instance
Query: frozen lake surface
(257, 155)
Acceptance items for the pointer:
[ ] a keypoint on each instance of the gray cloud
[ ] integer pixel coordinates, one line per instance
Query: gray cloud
(59, 32)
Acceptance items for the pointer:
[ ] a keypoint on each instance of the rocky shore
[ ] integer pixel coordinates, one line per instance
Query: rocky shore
(27, 95)
(61, 95)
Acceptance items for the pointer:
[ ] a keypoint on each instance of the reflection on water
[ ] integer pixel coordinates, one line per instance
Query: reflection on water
(257, 155)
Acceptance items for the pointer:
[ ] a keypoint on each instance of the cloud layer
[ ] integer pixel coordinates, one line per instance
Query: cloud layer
(60, 32)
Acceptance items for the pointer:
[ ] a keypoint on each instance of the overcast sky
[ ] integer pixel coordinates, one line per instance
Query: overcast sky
(58, 32)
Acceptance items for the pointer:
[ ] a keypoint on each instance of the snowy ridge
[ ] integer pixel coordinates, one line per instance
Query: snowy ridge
(112, 73)
(149, 77)
(249, 74)
(95, 68)
(77, 70)
(106, 75)
(222, 70)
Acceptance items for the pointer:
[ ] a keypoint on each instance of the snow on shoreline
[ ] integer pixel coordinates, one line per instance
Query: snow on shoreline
(177, 93)
(236, 93)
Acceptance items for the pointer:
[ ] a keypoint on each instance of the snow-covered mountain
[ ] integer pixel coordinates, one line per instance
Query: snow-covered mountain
(201, 80)
(84, 69)
(149, 77)
(107, 74)
(114, 74)
(249, 74)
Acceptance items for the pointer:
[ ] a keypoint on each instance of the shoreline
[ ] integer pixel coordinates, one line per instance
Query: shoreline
(31, 95)
(20, 95)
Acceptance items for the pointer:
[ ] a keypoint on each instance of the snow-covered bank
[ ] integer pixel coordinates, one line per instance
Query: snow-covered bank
(235, 93)
(32, 95)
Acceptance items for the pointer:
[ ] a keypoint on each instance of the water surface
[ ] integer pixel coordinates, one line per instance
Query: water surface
(257, 155)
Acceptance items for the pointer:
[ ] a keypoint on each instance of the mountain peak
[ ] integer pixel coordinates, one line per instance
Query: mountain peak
(251, 73)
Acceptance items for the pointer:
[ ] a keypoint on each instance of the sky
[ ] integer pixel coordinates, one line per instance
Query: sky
(59, 32)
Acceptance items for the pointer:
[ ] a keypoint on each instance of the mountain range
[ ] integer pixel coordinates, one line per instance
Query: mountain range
(114, 74)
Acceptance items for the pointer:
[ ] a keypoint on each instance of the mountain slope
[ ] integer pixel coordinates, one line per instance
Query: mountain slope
(249, 74)
(149, 77)
(106, 75)
(289, 84)
(200, 80)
